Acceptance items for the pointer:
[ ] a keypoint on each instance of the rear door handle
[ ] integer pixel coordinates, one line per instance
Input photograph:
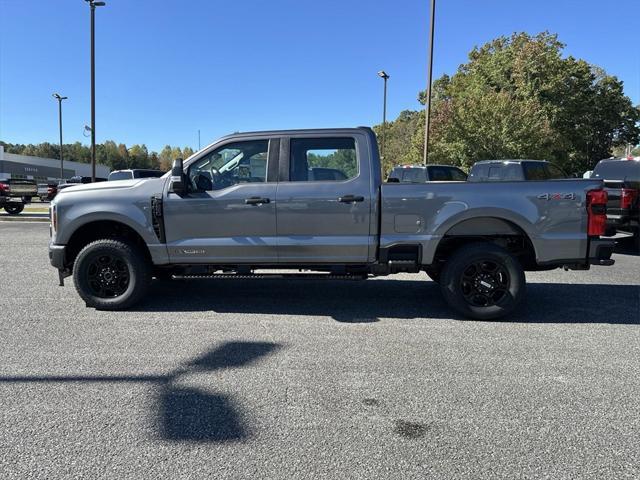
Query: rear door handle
(256, 200)
(351, 198)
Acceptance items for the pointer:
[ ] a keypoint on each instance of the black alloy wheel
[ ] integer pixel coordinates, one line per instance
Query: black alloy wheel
(483, 281)
(107, 276)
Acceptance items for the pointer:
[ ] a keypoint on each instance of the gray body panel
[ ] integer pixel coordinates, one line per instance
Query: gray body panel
(124, 201)
(305, 223)
(557, 228)
(315, 227)
(219, 227)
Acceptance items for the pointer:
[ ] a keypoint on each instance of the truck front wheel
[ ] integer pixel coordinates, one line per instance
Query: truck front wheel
(483, 281)
(14, 208)
(111, 274)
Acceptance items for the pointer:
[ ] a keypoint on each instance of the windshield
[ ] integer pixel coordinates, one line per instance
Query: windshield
(542, 171)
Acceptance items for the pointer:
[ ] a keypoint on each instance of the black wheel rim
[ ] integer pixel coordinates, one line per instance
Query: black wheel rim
(485, 283)
(108, 276)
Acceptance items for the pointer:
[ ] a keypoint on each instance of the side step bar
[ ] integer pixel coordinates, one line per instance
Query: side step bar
(261, 276)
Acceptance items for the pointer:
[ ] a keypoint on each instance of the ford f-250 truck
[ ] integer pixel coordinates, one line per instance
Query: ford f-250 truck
(251, 201)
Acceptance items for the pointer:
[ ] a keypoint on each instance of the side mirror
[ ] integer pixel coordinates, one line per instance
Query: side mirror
(178, 181)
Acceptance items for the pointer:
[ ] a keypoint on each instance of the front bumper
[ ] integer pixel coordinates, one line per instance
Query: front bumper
(600, 251)
(57, 256)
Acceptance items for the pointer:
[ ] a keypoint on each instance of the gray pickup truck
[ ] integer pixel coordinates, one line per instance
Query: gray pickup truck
(251, 201)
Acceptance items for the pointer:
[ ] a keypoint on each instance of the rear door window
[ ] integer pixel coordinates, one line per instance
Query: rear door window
(446, 174)
(457, 175)
(535, 171)
(554, 172)
(412, 175)
(495, 172)
(323, 159)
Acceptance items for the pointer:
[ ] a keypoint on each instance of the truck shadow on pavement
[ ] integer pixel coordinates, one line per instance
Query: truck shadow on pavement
(369, 301)
(626, 246)
(186, 413)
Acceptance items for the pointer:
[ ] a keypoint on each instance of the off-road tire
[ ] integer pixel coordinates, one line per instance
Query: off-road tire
(125, 255)
(14, 209)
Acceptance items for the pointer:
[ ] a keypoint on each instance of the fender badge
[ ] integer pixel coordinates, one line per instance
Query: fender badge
(557, 196)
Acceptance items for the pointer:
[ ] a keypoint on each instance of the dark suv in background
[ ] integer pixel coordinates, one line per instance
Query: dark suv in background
(426, 173)
(134, 173)
(514, 171)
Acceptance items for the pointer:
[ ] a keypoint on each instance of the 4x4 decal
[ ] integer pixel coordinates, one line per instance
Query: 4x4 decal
(557, 196)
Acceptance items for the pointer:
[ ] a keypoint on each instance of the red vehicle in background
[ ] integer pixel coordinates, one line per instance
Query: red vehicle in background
(622, 182)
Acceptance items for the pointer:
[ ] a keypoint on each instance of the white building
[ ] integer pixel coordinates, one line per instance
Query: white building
(44, 169)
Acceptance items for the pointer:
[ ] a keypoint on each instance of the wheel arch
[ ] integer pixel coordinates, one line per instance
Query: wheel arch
(98, 229)
(490, 229)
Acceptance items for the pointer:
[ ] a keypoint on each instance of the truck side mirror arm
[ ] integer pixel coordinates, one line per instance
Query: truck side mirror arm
(178, 181)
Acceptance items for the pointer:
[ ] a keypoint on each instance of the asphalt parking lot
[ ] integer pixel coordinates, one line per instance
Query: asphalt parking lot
(284, 379)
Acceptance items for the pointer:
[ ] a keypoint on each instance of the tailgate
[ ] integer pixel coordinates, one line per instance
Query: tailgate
(21, 188)
(614, 193)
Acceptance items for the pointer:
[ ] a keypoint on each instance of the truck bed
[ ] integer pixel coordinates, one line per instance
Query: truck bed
(551, 213)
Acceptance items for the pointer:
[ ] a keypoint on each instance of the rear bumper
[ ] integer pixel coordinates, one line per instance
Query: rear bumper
(600, 251)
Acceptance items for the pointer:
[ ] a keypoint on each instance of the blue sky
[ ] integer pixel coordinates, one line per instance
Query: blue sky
(167, 68)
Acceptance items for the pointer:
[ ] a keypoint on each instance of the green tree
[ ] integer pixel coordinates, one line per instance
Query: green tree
(139, 156)
(518, 97)
(165, 158)
(187, 152)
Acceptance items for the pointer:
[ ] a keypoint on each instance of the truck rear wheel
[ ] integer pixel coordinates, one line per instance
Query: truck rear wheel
(14, 208)
(111, 274)
(483, 281)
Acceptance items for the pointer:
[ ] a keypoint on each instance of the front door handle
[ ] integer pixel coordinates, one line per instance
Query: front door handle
(351, 199)
(256, 200)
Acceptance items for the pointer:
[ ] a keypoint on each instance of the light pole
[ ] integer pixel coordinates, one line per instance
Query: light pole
(93, 4)
(382, 74)
(429, 76)
(60, 99)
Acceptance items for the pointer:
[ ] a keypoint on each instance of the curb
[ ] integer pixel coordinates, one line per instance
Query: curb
(20, 218)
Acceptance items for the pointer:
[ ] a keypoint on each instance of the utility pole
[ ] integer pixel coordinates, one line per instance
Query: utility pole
(382, 74)
(93, 4)
(429, 77)
(60, 99)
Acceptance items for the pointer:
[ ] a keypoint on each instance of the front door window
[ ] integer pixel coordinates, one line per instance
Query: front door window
(231, 164)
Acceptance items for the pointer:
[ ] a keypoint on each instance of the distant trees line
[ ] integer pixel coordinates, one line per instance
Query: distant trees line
(115, 156)
(517, 97)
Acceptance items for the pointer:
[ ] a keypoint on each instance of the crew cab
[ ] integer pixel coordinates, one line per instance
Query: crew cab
(16, 193)
(514, 171)
(252, 201)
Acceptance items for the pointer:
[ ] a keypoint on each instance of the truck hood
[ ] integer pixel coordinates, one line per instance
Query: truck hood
(112, 185)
